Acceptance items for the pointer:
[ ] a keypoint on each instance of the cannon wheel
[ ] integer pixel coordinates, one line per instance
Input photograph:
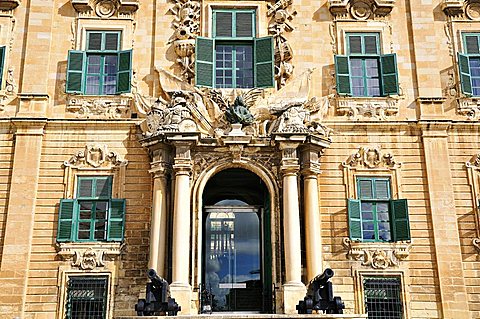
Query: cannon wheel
(140, 306)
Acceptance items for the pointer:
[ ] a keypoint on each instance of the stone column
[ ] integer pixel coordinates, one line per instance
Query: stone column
(453, 294)
(313, 236)
(180, 287)
(293, 288)
(158, 228)
(17, 244)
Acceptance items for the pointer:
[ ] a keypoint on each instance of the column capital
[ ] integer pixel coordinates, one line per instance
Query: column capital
(310, 156)
(29, 126)
(159, 169)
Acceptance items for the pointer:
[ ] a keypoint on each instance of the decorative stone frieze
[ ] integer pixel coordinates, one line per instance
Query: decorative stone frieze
(99, 107)
(462, 9)
(470, 107)
(95, 155)
(377, 255)
(376, 108)
(360, 9)
(105, 8)
(371, 157)
(89, 256)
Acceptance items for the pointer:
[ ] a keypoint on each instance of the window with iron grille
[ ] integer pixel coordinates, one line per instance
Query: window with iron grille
(383, 297)
(93, 215)
(86, 297)
(234, 57)
(374, 215)
(364, 71)
(101, 69)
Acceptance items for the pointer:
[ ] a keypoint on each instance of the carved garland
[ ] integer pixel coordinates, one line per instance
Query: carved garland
(377, 255)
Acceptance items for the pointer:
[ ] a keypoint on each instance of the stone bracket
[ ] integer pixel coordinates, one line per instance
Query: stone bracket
(8, 5)
(88, 256)
(377, 255)
(462, 9)
(469, 107)
(377, 108)
(360, 9)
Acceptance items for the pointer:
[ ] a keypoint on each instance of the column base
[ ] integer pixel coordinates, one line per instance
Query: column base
(183, 296)
(293, 292)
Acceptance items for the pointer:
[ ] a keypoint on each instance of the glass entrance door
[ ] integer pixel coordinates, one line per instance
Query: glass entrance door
(233, 264)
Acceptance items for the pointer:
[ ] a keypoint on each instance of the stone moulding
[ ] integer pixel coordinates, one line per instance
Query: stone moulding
(7, 5)
(105, 8)
(377, 255)
(469, 107)
(462, 9)
(360, 9)
(377, 108)
(88, 256)
(99, 107)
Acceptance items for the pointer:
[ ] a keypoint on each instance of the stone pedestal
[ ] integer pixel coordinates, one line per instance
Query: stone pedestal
(183, 296)
(292, 294)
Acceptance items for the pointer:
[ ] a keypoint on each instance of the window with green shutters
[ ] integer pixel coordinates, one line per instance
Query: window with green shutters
(234, 57)
(102, 69)
(93, 215)
(469, 64)
(364, 71)
(374, 215)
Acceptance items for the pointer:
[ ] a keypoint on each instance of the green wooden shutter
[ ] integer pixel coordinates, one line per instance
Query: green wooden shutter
(223, 24)
(465, 77)
(264, 59)
(355, 44)
(2, 63)
(382, 189)
(355, 219)
(204, 62)
(471, 44)
(103, 187)
(94, 41)
(370, 44)
(111, 41)
(124, 73)
(399, 219)
(116, 220)
(244, 24)
(365, 188)
(342, 73)
(85, 187)
(75, 71)
(65, 220)
(388, 67)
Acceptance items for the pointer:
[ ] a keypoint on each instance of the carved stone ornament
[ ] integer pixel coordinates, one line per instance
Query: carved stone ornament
(469, 107)
(377, 255)
(371, 157)
(88, 256)
(281, 14)
(360, 9)
(105, 8)
(96, 107)
(95, 155)
(377, 108)
(186, 24)
(9, 5)
(462, 9)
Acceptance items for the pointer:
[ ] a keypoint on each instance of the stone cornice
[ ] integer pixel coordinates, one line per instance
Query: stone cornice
(7, 5)
(360, 9)
(468, 10)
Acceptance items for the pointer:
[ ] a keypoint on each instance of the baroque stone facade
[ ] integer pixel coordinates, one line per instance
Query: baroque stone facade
(308, 155)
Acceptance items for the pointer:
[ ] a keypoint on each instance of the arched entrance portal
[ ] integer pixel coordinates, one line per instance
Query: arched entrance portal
(236, 242)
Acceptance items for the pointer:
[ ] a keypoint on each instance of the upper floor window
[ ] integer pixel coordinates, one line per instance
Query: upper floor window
(374, 215)
(234, 57)
(469, 64)
(102, 68)
(364, 71)
(93, 215)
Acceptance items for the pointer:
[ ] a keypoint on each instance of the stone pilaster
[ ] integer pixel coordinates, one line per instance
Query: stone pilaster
(158, 228)
(19, 224)
(454, 298)
(313, 237)
(293, 288)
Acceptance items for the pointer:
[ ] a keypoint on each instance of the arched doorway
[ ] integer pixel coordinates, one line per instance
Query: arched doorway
(236, 242)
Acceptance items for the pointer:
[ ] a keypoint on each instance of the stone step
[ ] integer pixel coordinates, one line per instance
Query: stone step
(252, 316)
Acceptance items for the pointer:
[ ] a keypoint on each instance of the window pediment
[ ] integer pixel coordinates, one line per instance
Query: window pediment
(105, 8)
(462, 9)
(360, 9)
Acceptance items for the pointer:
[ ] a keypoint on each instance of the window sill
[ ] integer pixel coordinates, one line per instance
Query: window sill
(100, 106)
(89, 255)
(470, 107)
(360, 108)
(378, 255)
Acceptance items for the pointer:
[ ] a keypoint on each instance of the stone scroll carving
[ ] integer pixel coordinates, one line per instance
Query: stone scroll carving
(111, 107)
(371, 157)
(95, 155)
(360, 9)
(88, 256)
(281, 14)
(105, 8)
(186, 24)
(377, 255)
(371, 108)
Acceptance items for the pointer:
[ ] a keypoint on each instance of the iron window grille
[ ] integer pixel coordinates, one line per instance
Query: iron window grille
(86, 297)
(383, 298)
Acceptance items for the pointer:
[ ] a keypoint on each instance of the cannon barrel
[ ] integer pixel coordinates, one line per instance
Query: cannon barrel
(155, 278)
(323, 278)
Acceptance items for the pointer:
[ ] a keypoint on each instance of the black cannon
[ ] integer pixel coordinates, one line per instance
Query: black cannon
(157, 298)
(320, 296)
